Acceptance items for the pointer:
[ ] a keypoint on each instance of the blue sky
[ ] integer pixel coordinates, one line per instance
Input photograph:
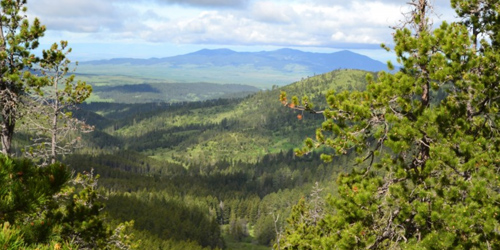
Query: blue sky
(102, 29)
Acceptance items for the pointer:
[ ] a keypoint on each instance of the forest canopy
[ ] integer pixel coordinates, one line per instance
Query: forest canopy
(414, 152)
(427, 139)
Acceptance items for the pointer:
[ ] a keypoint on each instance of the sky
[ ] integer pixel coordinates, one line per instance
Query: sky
(104, 29)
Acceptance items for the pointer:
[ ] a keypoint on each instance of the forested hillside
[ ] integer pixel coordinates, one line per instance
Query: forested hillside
(217, 173)
(427, 140)
(147, 91)
(236, 129)
(405, 159)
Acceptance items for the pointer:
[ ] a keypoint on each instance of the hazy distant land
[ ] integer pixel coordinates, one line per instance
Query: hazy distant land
(199, 75)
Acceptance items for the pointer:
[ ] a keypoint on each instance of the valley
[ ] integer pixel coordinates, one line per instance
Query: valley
(272, 149)
(226, 163)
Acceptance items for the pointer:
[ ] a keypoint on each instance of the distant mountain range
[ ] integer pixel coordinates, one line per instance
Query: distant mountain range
(209, 74)
(284, 60)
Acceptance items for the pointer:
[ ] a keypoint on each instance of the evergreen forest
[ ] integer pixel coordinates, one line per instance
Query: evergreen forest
(208, 172)
(349, 159)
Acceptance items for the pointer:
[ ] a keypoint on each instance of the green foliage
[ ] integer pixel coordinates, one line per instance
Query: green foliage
(55, 66)
(25, 191)
(237, 227)
(304, 222)
(151, 241)
(205, 163)
(427, 174)
(17, 41)
(154, 91)
(265, 234)
(81, 220)
(39, 209)
(26, 188)
(239, 129)
(181, 171)
(50, 118)
(166, 218)
(301, 229)
(180, 205)
(10, 238)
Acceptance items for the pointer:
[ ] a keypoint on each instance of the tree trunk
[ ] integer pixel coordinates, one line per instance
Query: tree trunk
(6, 134)
(53, 155)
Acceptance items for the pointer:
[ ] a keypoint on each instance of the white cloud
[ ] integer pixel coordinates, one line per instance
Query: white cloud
(286, 23)
(271, 12)
(207, 3)
(80, 16)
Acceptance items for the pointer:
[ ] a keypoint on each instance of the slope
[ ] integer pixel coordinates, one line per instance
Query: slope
(223, 163)
(237, 129)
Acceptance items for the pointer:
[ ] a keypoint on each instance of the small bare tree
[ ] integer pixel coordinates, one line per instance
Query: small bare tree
(51, 119)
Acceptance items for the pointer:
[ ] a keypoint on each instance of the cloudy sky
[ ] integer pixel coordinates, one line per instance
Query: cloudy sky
(100, 29)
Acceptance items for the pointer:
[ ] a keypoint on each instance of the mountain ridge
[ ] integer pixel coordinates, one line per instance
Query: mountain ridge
(282, 59)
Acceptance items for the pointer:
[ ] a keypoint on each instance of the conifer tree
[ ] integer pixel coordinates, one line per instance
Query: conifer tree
(18, 38)
(40, 209)
(49, 109)
(428, 162)
(27, 198)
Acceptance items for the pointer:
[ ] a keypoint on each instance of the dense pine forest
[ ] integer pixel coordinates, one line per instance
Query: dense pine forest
(208, 172)
(348, 159)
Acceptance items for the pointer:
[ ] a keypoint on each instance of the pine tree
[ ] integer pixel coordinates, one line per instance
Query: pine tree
(81, 218)
(43, 207)
(428, 162)
(49, 109)
(18, 38)
(27, 196)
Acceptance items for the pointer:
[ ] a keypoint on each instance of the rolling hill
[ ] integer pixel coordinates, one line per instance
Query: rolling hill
(170, 92)
(189, 172)
(223, 66)
(241, 129)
